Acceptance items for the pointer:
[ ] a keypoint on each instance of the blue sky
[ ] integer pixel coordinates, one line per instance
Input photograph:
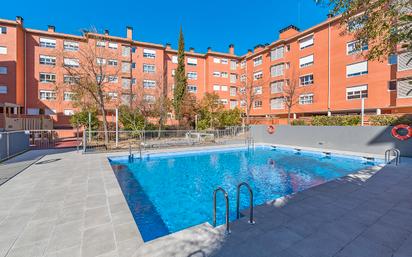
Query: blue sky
(214, 23)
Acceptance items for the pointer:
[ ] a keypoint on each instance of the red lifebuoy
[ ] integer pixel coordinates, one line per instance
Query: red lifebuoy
(271, 129)
(396, 135)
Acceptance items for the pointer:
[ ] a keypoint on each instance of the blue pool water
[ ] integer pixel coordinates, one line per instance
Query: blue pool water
(170, 192)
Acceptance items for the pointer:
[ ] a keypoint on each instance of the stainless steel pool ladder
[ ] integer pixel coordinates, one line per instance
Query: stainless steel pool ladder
(250, 142)
(227, 232)
(397, 156)
(131, 156)
(251, 220)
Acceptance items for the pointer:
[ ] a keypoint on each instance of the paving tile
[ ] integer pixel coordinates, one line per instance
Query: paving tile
(65, 236)
(318, 245)
(126, 231)
(96, 201)
(96, 216)
(363, 246)
(98, 240)
(34, 250)
(34, 232)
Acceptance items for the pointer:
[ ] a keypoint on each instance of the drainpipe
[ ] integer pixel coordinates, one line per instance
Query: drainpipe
(25, 74)
(329, 112)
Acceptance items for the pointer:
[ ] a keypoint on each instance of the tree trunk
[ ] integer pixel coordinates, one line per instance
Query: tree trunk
(289, 116)
(105, 128)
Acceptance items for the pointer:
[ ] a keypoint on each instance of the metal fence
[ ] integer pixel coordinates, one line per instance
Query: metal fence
(48, 139)
(13, 143)
(152, 139)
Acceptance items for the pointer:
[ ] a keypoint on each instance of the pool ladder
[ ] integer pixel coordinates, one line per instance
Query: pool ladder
(388, 153)
(251, 220)
(250, 143)
(131, 155)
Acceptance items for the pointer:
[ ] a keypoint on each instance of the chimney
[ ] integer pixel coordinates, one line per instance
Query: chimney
(129, 32)
(51, 28)
(106, 32)
(168, 46)
(258, 47)
(209, 49)
(232, 49)
(19, 20)
(249, 51)
(192, 50)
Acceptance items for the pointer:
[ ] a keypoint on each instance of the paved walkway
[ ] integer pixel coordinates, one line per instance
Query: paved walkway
(69, 204)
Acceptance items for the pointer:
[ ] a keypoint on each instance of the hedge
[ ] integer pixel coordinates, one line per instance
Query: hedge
(389, 120)
(347, 120)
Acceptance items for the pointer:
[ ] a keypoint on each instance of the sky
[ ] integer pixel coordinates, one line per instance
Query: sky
(211, 23)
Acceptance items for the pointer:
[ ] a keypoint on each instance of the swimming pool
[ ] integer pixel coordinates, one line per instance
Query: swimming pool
(169, 192)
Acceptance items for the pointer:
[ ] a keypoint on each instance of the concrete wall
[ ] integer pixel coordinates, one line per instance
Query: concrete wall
(12, 143)
(368, 139)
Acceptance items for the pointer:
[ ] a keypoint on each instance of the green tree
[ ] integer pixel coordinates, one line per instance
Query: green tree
(382, 24)
(131, 118)
(230, 118)
(81, 119)
(180, 79)
(209, 111)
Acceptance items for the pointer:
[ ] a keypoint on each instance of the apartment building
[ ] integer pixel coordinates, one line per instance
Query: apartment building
(325, 67)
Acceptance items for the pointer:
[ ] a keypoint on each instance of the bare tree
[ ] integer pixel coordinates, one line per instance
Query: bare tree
(292, 89)
(252, 85)
(88, 74)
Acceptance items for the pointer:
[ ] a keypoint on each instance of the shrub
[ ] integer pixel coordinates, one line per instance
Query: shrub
(82, 119)
(298, 123)
(348, 120)
(389, 120)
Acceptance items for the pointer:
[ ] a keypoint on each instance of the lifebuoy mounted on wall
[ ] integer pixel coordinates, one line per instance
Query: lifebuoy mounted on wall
(271, 129)
(398, 136)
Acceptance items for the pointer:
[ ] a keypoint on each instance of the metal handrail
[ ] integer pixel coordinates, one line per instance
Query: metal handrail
(250, 142)
(227, 208)
(131, 156)
(251, 220)
(397, 156)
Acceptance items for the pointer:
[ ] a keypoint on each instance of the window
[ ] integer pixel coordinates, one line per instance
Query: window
(47, 95)
(355, 47)
(191, 61)
(68, 96)
(233, 91)
(306, 42)
(101, 44)
(216, 88)
(149, 68)
(306, 80)
(257, 61)
(356, 22)
(33, 111)
(277, 53)
(68, 112)
(133, 49)
(404, 88)
(173, 72)
(223, 101)
(70, 46)
(47, 77)
(224, 75)
(242, 103)
(243, 64)
(192, 75)
(277, 103)
(243, 77)
(125, 50)
(149, 98)
(192, 88)
(3, 70)
(69, 62)
(133, 81)
(404, 61)
(113, 45)
(174, 59)
(126, 66)
(149, 83)
(224, 61)
(70, 79)
(357, 92)
(99, 78)
(306, 61)
(3, 50)
(216, 74)
(277, 70)
(357, 69)
(126, 83)
(112, 79)
(149, 53)
(112, 62)
(3, 30)
(306, 99)
(257, 104)
(276, 87)
(258, 90)
(233, 65)
(100, 61)
(3, 89)
(233, 78)
(257, 75)
(392, 85)
(112, 95)
(47, 60)
(48, 43)
(223, 88)
(233, 104)
(133, 65)
(392, 59)
(216, 60)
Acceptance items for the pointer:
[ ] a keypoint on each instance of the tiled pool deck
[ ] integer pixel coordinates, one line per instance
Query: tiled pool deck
(69, 204)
